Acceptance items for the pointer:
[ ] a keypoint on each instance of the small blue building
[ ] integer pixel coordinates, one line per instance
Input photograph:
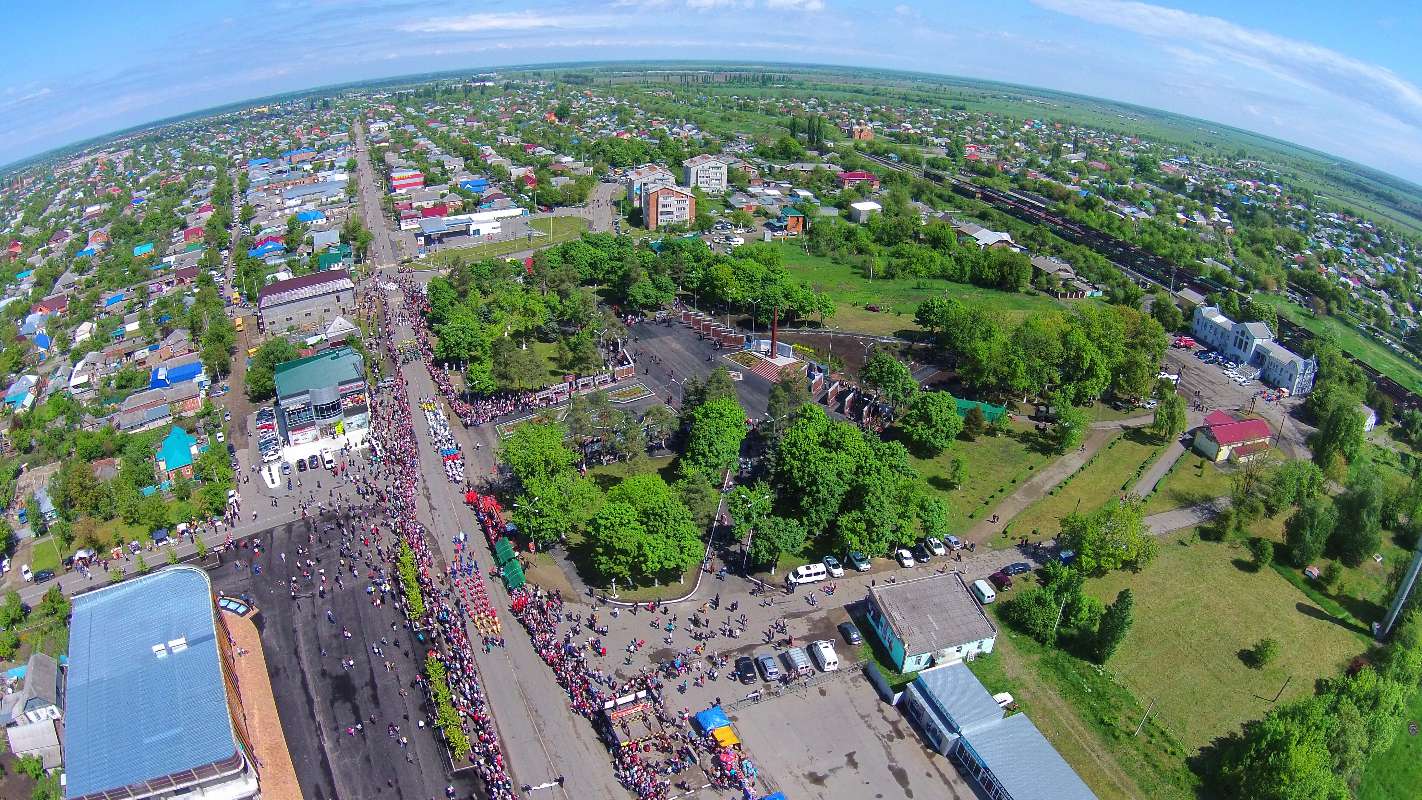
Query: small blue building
(929, 620)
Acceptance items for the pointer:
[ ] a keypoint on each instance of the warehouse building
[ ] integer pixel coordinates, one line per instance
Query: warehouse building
(1004, 755)
(153, 709)
(321, 402)
(307, 302)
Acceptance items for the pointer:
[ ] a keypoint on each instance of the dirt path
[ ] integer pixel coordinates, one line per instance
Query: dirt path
(1037, 487)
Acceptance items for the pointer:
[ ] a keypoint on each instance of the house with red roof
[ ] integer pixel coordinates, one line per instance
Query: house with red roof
(853, 177)
(193, 234)
(1225, 437)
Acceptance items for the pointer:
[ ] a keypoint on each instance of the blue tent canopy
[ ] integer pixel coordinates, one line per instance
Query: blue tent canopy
(711, 719)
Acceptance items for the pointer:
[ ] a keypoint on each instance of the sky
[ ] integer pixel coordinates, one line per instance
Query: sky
(1349, 83)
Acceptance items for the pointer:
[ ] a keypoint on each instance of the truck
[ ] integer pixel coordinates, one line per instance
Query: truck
(237, 324)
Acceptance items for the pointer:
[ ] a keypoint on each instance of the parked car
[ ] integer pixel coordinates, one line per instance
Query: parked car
(983, 591)
(905, 558)
(850, 633)
(768, 669)
(313, 462)
(300, 465)
(954, 543)
(836, 570)
(859, 561)
(797, 662)
(935, 546)
(44, 575)
(25, 573)
(329, 462)
(231, 451)
(822, 652)
(1001, 580)
(1017, 568)
(745, 669)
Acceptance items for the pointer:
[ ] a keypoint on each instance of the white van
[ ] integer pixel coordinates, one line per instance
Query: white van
(823, 653)
(983, 591)
(807, 573)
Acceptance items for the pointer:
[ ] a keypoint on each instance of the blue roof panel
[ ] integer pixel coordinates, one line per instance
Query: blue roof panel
(133, 714)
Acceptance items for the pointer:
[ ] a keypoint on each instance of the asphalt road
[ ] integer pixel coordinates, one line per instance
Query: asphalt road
(317, 698)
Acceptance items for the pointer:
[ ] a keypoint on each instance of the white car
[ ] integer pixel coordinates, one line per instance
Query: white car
(327, 460)
(822, 652)
(221, 437)
(905, 558)
(935, 546)
(836, 570)
(25, 573)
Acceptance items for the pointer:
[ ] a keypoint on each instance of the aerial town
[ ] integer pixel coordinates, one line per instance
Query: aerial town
(595, 431)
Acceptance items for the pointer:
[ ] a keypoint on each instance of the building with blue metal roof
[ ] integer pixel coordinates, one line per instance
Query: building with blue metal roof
(152, 707)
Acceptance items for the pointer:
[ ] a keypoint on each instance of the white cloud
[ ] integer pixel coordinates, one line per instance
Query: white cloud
(904, 10)
(795, 5)
(506, 21)
(1297, 62)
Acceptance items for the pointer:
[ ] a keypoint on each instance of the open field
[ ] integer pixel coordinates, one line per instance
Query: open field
(996, 465)
(1397, 366)
(1110, 472)
(1191, 481)
(556, 229)
(1089, 717)
(852, 290)
(1197, 606)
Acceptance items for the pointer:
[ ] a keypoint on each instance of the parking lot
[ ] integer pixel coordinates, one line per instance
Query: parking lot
(835, 739)
(1208, 387)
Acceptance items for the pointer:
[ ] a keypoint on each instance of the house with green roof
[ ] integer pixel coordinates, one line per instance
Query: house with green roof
(322, 396)
(337, 257)
(176, 454)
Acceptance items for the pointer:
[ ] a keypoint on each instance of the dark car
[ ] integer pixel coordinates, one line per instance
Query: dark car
(850, 633)
(1018, 568)
(43, 575)
(300, 465)
(231, 451)
(745, 669)
(1001, 580)
(314, 462)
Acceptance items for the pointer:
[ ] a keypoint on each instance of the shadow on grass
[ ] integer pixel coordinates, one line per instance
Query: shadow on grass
(1317, 613)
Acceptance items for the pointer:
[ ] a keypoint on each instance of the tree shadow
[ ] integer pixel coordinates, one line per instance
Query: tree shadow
(1243, 565)
(1319, 614)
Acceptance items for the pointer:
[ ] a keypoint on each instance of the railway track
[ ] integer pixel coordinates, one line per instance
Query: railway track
(1142, 266)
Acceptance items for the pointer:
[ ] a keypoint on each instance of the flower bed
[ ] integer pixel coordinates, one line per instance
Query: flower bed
(629, 393)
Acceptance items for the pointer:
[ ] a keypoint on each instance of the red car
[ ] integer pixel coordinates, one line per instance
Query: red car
(1001, 580)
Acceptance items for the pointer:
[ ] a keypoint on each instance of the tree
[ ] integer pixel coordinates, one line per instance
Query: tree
(1115, 624)
(54, 604)
(1262, 550)
(1070, 427)
(660, 423)
(515, 367)
(1113, 537)
(789, 394)
(974, 423)
(261, 385)
(12, 610)
(891, 377)
(1340, 431)
(1308, 530)
(1360, 509)
(1166, 312)
(1170, 412)
(643, 531)
(931, 423)
(1263, 653)
(9, 645)
(713, 443)
(774, 536)
(958, 472)
(554, 505)
(1294, 484)
(537, 451)
(1284, 756)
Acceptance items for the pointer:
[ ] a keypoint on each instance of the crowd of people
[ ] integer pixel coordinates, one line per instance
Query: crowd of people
(448, 447)
(448, 597)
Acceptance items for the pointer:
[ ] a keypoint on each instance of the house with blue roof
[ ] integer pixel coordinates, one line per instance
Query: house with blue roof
(176, 372)
(87, 252)
(21, 394)
(113, 300)
(150, 709)
(310, 216)
(176, 454)
(270, 248)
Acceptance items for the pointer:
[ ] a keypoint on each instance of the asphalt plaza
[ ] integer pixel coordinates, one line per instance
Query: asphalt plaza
(318, 698)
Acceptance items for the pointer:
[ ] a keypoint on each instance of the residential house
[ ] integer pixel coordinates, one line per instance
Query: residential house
(645, 177)
(1224, 437)
(928, 620)
(856, 177)
(176, 455)
(862, 210)
(704, 172)
(668, 205)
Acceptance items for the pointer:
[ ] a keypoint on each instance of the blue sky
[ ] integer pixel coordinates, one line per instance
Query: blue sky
(1343, 81)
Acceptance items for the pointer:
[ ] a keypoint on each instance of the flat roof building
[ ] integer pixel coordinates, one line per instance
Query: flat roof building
(322, 397)
(929, 620)
(153, 708)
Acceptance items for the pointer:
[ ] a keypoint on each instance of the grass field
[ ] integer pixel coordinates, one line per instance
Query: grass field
(1197, 606)
(1397, 771)
(1352, 341)
(852, 290)
(556, 230)
(44, 554)
(1192, 480)
(996, 465)
(1116, 465)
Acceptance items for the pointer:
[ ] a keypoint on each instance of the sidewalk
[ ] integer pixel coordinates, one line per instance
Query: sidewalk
(276, 773)
(1175, 519)
(1036, 487)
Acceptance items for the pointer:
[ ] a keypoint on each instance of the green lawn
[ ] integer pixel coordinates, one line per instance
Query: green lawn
(44, 554)
(1197, 606)
(1397, 771)
(852, 290)
(1192, 480)
(996, 466)
(557, 230)
(1402, 368)
(1110, 472)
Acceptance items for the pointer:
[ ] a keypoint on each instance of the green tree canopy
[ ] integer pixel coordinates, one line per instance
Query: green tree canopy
(931, 423)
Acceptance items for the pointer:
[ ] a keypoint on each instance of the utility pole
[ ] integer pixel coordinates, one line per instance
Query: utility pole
(1282, 688)
(1144, 718)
